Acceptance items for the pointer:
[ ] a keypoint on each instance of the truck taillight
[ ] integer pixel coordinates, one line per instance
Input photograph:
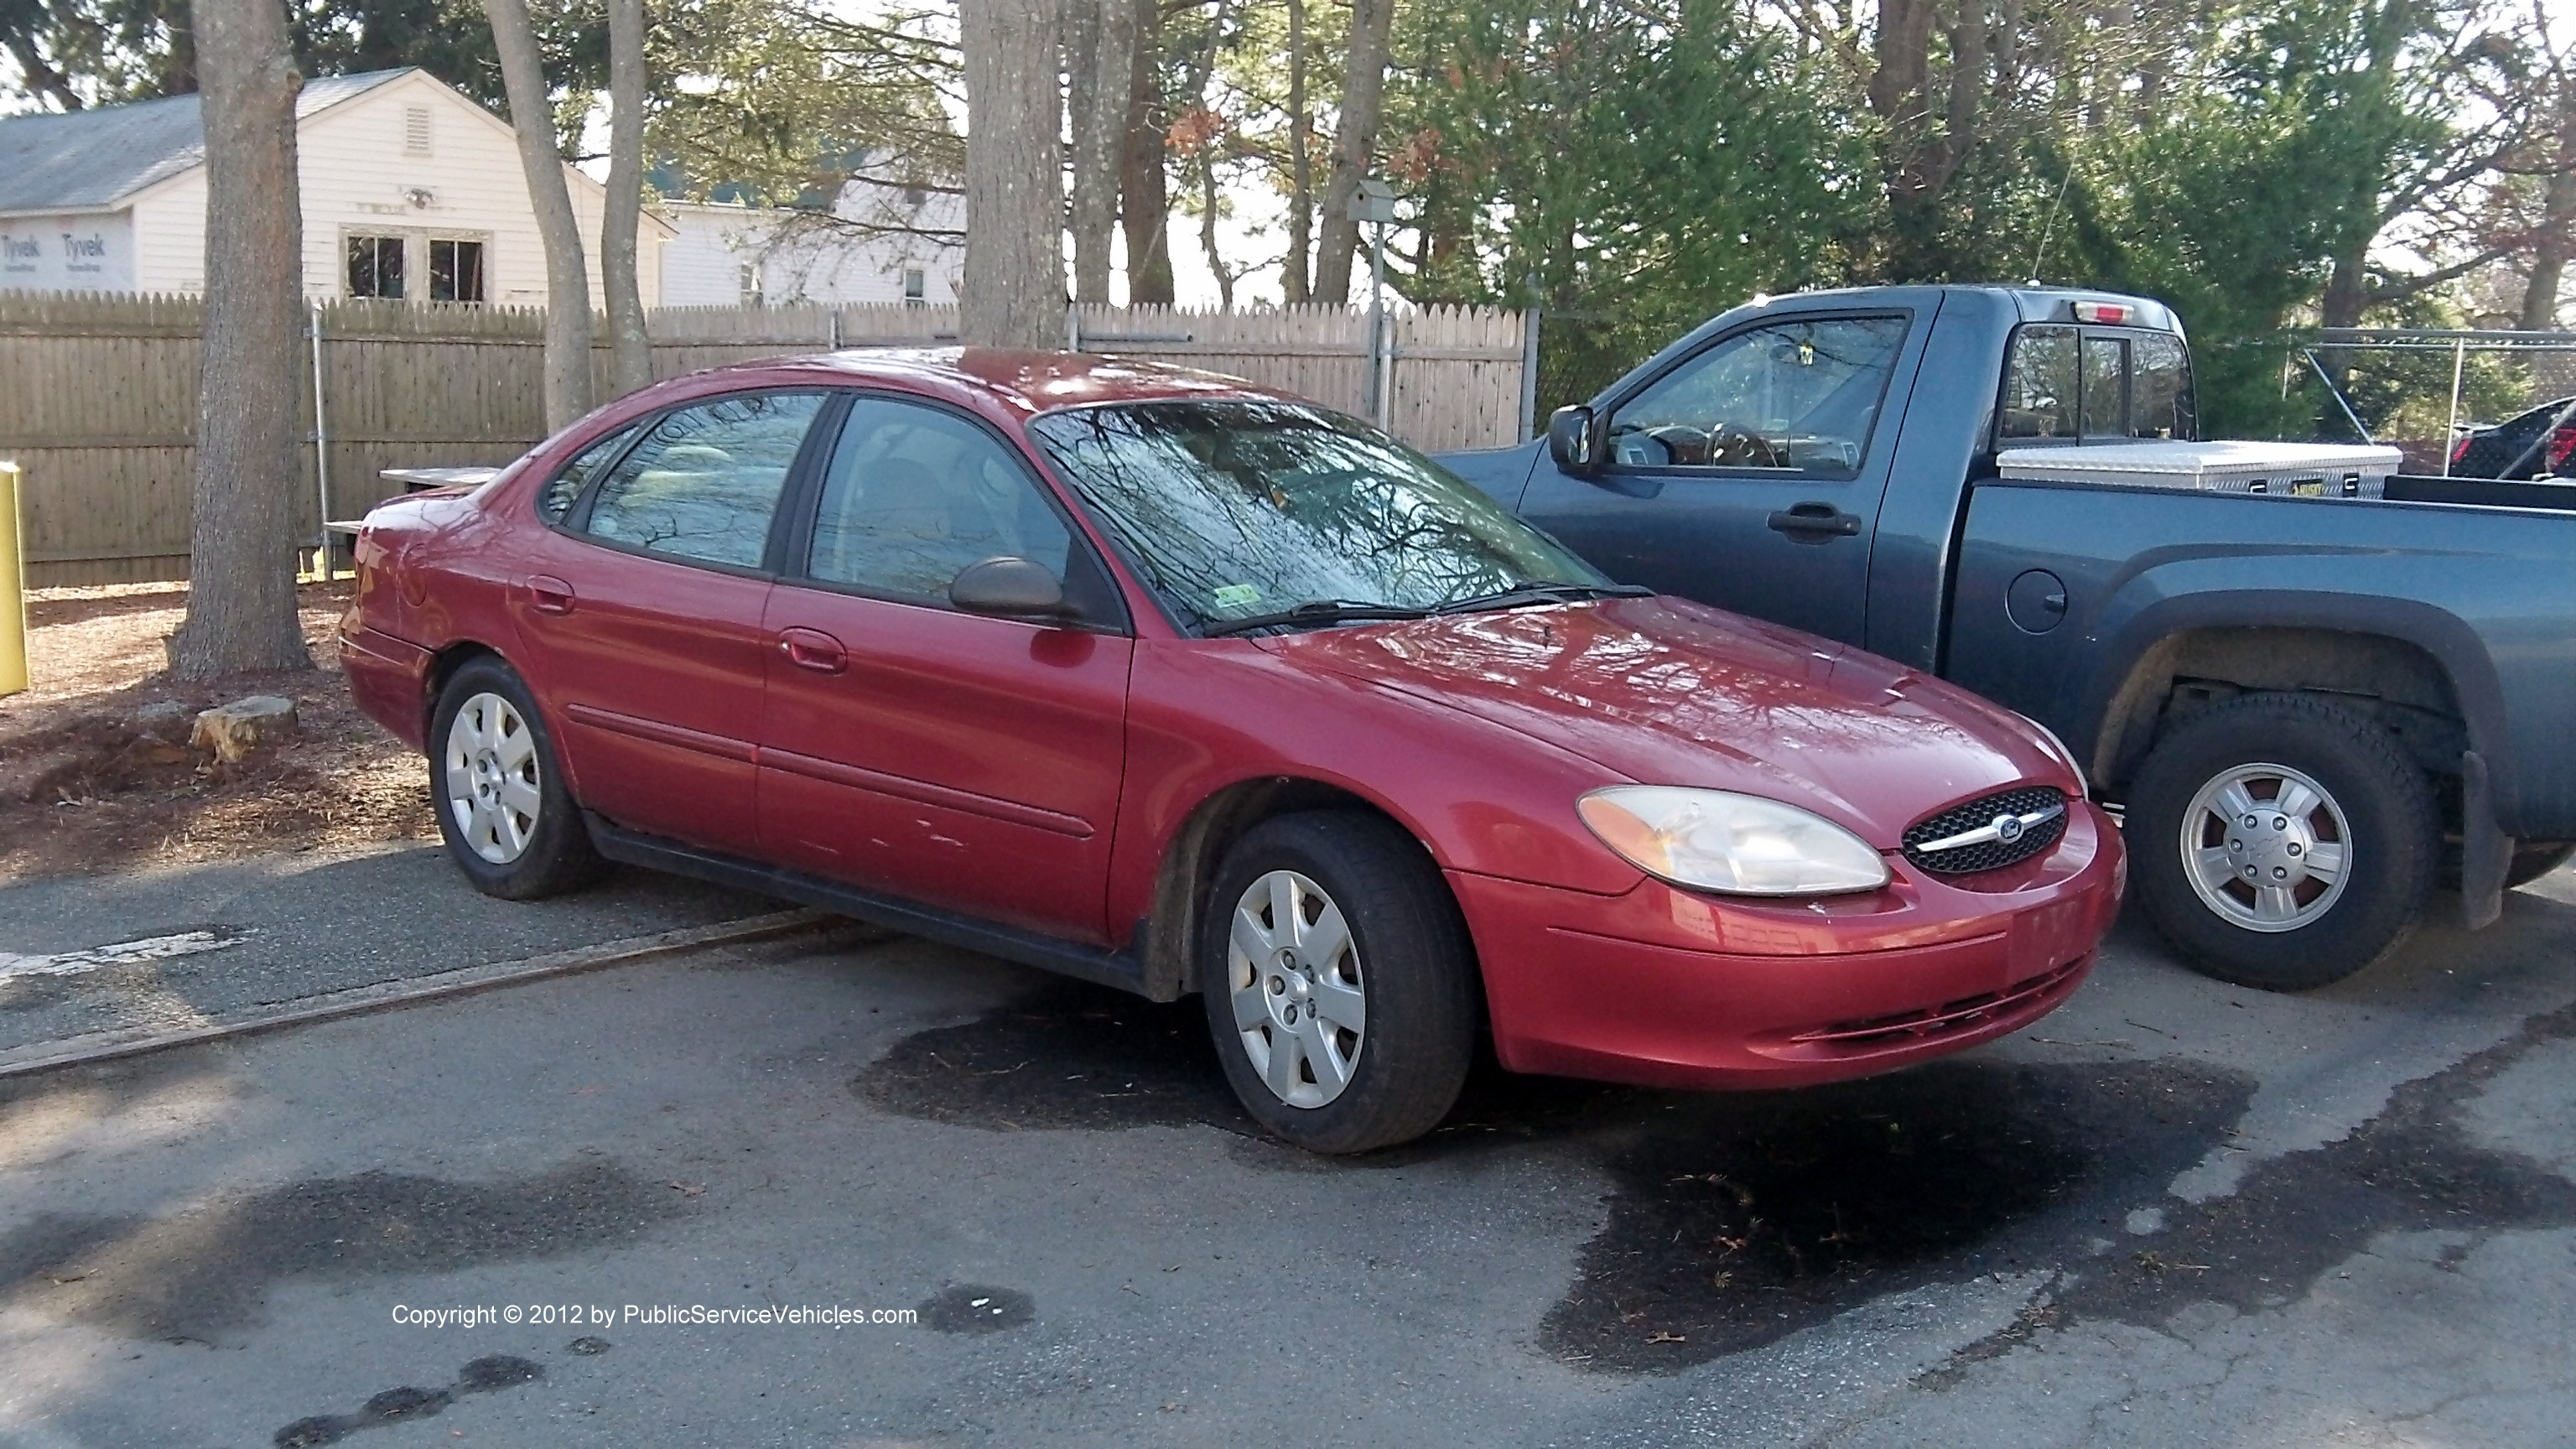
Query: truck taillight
(2460, 449)
(2107, 314)
(2562, 443)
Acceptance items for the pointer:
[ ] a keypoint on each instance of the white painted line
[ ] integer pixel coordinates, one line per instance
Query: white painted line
(123, 953)
(358, 1001)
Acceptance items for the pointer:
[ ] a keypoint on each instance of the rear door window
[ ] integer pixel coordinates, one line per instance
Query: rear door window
(705, 482)
(2069, 383)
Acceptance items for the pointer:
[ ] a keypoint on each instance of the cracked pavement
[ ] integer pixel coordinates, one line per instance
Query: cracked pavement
(2174, 1212)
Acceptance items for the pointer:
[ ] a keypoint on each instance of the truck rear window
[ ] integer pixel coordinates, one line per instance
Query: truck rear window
(2071, 383)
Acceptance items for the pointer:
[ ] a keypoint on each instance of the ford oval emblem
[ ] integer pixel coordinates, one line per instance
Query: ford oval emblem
(2008, 828)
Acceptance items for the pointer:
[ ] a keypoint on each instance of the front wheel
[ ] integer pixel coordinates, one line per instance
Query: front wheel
(2281, 841)
(1339, 982)
(507, 820)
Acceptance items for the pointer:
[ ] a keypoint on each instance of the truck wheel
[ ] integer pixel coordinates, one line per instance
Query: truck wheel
(1339, 982)
(2281, 841)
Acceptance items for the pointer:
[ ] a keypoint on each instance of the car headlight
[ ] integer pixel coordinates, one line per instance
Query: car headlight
(1715, 840)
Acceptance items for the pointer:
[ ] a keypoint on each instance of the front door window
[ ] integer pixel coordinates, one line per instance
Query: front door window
(1798, 398)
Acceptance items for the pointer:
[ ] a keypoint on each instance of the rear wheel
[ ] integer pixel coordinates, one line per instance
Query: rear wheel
(503, 812)
(1338, 981)
(2281, 841)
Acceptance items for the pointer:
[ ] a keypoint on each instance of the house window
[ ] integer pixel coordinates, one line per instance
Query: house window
(750, 282)
(455, 270)
(376, 266)
(916, 287)
(415, 130)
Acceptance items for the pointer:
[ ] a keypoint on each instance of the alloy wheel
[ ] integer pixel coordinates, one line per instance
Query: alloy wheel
(2266, 847)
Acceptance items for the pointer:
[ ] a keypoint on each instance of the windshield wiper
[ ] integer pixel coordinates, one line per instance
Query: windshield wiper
(1313, 611)
(1544, 594)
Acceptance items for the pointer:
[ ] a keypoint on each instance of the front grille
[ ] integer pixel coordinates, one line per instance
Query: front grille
(1992, 854)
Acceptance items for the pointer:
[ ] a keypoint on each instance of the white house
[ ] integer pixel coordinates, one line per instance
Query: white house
(722, 255)
(409, 190)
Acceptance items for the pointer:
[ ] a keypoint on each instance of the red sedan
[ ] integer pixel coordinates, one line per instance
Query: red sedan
(1153, 679)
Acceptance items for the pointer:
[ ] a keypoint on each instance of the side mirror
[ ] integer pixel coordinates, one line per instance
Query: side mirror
(1574, 440)
(1009, 587)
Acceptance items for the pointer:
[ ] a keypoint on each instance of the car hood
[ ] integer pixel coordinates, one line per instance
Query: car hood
(1667, 692)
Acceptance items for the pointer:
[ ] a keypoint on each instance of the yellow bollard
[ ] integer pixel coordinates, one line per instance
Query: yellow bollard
(13, 588)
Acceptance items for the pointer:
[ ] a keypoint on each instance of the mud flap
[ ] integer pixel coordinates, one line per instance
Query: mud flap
(2486, 852)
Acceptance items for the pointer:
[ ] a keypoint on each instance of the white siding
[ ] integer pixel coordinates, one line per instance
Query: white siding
(86, 252)
(358, 176)
(703, 265)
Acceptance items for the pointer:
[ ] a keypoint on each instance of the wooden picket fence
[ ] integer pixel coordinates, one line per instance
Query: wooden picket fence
(98, 394)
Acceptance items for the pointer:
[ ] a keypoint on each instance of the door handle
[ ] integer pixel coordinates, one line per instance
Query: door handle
(1815, 523)
(813, 649)
(549, 595)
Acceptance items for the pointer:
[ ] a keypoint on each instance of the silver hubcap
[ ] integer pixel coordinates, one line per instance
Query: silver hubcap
(2266, 847)
(1295, 980)
(492, 784)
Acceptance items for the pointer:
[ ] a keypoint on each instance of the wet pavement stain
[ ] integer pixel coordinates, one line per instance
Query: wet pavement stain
(2413, 1168)
(977, 1308)
(393, 1406)
(1739, 1220)
(203, 1276)
(1068, 1057)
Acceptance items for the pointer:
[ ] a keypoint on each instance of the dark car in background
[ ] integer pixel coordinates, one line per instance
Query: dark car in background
(2507, 449)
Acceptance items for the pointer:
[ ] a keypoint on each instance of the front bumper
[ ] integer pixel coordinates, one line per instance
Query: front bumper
(1673, 988)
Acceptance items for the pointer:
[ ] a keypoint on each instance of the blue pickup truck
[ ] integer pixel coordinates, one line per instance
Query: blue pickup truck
(2312, 711)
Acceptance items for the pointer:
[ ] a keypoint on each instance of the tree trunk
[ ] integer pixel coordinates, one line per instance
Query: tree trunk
(1100, 76)
(1144, 203)
(1295, 280)
(1014, 287)
(523, 79)
(630, 351)
(1354, 145)
(2557, 242)
(241, 535)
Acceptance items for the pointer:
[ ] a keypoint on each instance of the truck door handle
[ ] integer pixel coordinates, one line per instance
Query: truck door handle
(1815, 523)
(549, 595)
(813, 649)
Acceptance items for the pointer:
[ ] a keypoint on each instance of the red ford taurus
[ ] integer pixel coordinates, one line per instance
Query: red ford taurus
(1150, 678)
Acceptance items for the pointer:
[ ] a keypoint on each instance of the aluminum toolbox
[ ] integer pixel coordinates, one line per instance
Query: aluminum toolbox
(2298, 470)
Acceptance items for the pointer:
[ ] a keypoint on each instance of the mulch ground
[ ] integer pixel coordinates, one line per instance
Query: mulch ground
(92, 780)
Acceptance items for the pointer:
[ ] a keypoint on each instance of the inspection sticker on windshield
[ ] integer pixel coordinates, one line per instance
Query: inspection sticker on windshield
(1235, 596)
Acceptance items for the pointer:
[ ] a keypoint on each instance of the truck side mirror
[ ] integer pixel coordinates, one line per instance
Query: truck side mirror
(1574, 440)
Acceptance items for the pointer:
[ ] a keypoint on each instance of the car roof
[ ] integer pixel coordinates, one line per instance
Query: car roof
(1027, 382)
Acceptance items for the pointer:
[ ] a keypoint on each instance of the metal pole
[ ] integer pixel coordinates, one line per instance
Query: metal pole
(13, 586)
(1380, 364)
(321, 458)
(2450, 437)
(1529, 374)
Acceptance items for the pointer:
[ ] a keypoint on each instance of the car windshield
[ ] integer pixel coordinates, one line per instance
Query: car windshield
(1244, 509)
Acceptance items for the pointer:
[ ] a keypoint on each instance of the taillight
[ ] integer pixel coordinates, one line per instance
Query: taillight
(2562, 443)
(2460, 449)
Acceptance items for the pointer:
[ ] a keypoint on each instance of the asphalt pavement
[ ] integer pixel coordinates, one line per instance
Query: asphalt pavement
(980, 1206)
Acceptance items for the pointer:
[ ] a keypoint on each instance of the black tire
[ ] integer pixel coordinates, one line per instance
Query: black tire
(1415, 970)
(2389, 860)
(2534, 859)
(557, 855)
